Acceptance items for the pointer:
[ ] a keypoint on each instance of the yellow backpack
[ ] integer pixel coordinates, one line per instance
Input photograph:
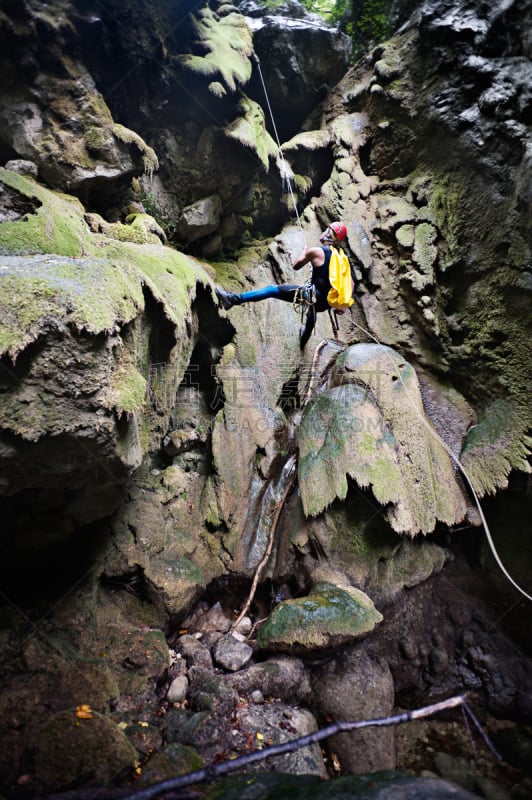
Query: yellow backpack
(341, 292)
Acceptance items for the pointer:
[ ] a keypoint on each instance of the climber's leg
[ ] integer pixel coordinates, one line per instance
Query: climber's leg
(306, 330)
(284, 292)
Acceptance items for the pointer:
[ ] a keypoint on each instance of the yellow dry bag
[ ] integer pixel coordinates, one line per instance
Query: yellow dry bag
(341, 292)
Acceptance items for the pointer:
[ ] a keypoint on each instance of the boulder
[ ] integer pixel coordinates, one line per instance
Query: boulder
(356, 687)
(385, 785)
(231, 654)
(68, 749)
(200, 218)
(211, 692)
(300, 56)
(329, 616)
(281, 676)
(277, 723)
(370, 425)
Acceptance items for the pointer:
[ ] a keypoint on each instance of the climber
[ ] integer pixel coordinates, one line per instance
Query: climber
(313, 294)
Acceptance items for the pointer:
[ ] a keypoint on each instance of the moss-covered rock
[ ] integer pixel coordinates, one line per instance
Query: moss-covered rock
(55, 223)
(55, 115)
(495, 446)
(227, 44)
(78, 292)
(382, 785)
(175, 583)
(175, 759)
(39, 294)
(371, 426)
(69, 750)
(250, 130)
(98, 294)
(146, 652)
(329, 616)
(85, 681)
(149, 157)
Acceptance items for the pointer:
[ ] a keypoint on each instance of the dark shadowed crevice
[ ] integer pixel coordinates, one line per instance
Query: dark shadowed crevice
(13, 204)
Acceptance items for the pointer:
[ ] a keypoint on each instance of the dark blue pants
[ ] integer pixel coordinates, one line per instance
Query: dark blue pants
(287, 292)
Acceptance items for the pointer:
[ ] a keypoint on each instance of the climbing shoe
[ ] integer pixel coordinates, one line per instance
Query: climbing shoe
(227, 299)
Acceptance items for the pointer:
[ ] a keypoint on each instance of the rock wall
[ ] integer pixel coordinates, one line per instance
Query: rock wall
(148, 439)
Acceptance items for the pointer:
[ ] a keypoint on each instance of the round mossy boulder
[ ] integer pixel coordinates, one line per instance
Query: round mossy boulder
(329, 616)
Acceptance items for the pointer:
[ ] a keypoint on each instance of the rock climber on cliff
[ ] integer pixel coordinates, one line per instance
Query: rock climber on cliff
(313, 294)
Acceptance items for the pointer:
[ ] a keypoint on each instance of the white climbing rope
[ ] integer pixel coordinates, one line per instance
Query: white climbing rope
(286, 171)
(456, 461)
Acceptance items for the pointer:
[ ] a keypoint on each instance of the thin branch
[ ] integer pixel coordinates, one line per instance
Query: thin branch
(481, 731)
(267, 553)
(469, 732)
(279, 508)
(317, 351)
(224, 767)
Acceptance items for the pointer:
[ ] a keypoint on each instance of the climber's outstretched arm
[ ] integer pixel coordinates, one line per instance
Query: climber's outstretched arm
(312, 255)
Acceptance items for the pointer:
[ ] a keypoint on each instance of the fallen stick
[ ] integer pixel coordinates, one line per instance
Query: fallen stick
(275, 520)
(267, 553)
(215, 770)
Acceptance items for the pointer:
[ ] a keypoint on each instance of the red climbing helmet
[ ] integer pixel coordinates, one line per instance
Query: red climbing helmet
(339, 229)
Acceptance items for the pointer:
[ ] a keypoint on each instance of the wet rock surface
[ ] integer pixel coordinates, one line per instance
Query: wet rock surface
(433, 646)
(148, 438)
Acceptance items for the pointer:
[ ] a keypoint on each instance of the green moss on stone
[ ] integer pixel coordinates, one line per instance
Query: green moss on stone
(178, 580)
(69, 749)
(272, 786)
(371, 427)
(495, 446)
(228, 45)
(250, 130)
(35, 293)
(127, 390)
(217, 89)
(333, 442)
(425, 249)
(57, 226)
(97, 138)
(58, 277)
(489, 311)
(327, 615)
(303, 183)
(139, 228)
(22, 310)
(405, 235)
(184, 759)
(308, 140)
(149, 157)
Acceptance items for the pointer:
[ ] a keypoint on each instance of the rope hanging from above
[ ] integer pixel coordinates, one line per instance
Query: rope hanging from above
(285, 169)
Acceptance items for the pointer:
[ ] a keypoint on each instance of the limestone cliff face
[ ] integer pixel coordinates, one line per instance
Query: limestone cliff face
(144, 432)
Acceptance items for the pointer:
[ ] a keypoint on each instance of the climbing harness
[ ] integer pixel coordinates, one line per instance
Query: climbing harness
(304, 298)
(304, 303)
